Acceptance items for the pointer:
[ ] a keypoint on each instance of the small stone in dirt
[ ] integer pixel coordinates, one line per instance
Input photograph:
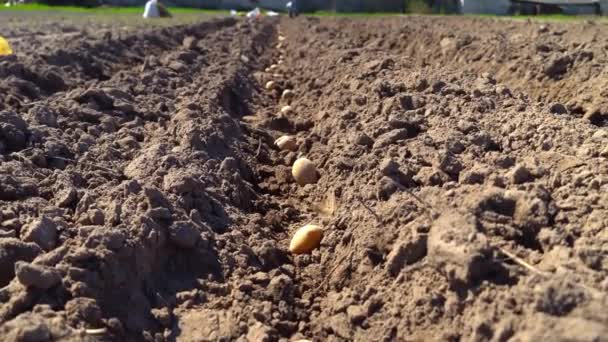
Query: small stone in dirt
(503, 90)
(259, 332)
(155, 197)
(163, 316)
(184, 234)
(83, 309)
(96, 217)
(42, 115)
(409, 102)
(556, 66)
(261, 278)
(229, 166)
(340, 326)
(389, 167)
(11, 251)
(53, 81)
(114, 239)
(38, 276)
(281, 287)
(386, 187)
(392, 137)
(558, 108)
(465, 126)
(405, 252)
(12, 119)
(600, 134)
(270, 255)
(356, 314)
(456, 246)
(475, 175)
(532, 209)
(363, 139)
(27, 327)
(348, 115)
(189, 42)
(485, 141)
(431, 176)
(13, 130)
(455, 146)
(520, 174)
(303, 124)
(99, 97)
(449, 164)
(287, 143)
(159, 213)
(42, 231)
(66, 196)
(505, 162)
(177, 66)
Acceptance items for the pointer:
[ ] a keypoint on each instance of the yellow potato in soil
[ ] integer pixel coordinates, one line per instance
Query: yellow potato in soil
(288, 94)
(286, 109)
(281, 38)
(5, 48)
(306, 239)
(273, 66)
(270, 85)
(304, 172)
(287, 143)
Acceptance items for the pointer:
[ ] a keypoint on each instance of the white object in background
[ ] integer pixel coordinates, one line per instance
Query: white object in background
(151, 10)
(253, 14)
(272, 13)
(289, 5)
(233, 13)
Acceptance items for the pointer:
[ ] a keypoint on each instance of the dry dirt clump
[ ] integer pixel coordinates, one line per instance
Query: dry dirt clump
(143, 196)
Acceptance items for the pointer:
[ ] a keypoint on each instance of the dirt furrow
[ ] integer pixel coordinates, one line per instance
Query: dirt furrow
(152, 151)
(46, 66)
(445, 181)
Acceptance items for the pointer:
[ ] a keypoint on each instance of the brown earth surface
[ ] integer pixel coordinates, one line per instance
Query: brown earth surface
(463, 186)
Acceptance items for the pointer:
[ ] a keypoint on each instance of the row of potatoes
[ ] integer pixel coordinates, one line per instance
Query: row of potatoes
(304, 171)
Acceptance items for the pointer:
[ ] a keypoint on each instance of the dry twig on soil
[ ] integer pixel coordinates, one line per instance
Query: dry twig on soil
(99, 331)
(257, 154)
(369, 209)
(89, 164)
(594, 292)
(522, 262)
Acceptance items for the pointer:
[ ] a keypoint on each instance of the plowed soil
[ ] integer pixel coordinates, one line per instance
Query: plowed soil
(463, 186)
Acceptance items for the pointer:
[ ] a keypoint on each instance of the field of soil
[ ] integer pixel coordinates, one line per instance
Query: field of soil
(462, 163)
